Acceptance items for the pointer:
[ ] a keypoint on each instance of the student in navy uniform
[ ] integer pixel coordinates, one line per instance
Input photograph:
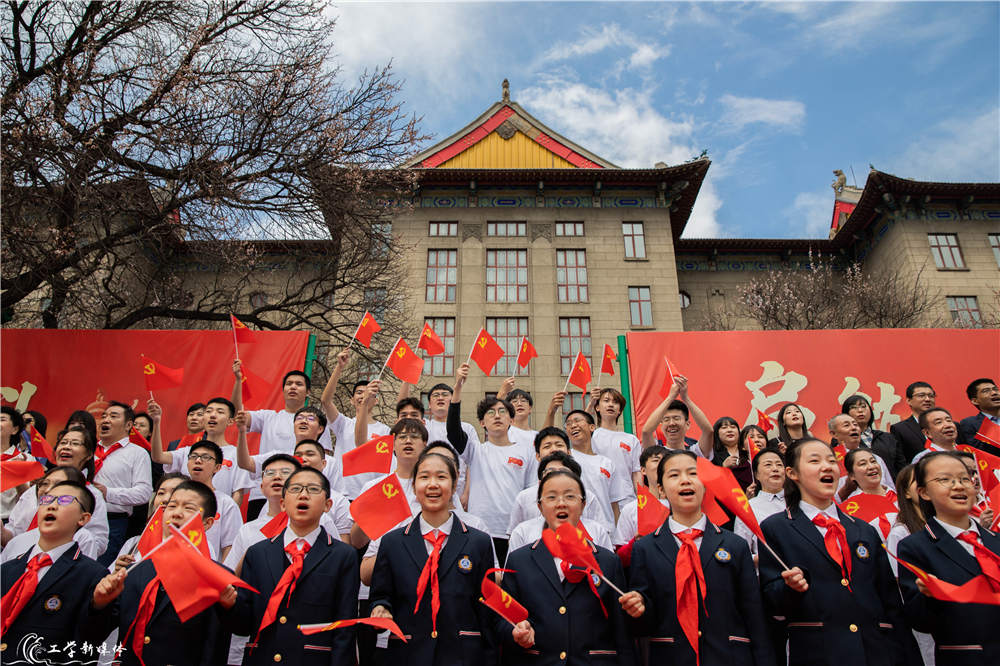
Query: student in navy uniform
(163, 638)
(49, 591)
(717, 564)
(567, 622)
(305, 576)
(841, 610)
(435, 556)
(952, 547)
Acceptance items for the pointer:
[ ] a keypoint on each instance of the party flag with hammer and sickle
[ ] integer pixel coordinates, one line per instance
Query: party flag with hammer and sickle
(381, 507)
(486, 352)
(159, 376)
(375, 455)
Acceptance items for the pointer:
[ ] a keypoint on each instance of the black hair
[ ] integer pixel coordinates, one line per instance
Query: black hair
(745, 432)
(167, 477)
(923, 418)
(195, 407)
(720, 449)
(129, 412)
(315, 411)
(223, 401)
(72, 473)
(909, 514)
(852, 454)
(313, 443)
(144, 415)
(551, 431)
(561, 472)
(409, 425)
(410, 402)
(87, 500)
(671, 453)
(441, 444)
(441, 387)
(911, 389)
(586, 415)
(849, 403)
(489, 403)
(325, 482)
(678, 406)
(755, 463)
(793, 496)
(209, 504)
(89, 443)
(449, 462)
(18, 421)
(297, 373)
(520, 393)
(563, 459)
(281, 457)
(617, 396)
(926, 507)
(358, 384)
(40, 422)
(973, 388)
(210, 446)
(647, 453)
(86, 420)
(783, 430)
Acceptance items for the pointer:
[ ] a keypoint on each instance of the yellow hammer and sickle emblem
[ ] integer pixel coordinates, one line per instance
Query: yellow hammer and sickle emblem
(389, 490)
(382, 447)
(149, 369)
(240, 324)
(525, 347)
(983, 465)
(364, 321)
(641, 501)
(482, 342)
(401, 353)
(741, 498)
(851, 508)
(505, 598)
(580, 368)
(195, 537)
(579, 533)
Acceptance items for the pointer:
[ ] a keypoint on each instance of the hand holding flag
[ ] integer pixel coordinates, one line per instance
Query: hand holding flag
(668, 380)
(976, 590)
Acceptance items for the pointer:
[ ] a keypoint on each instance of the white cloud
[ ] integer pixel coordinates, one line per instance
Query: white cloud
(738, 112)
(957, 150)
(810, 214)
(611, 36)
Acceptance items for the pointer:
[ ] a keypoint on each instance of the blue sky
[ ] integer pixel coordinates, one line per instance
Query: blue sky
(780, 94)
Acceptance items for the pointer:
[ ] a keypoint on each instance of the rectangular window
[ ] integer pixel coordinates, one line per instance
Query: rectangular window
(375, 302)
(368, 370)
(635, 240)
(569, 228)
(571, 275)
(574, 336)
(640, 306)
(506, 228)
(945, 250)
(443, 229)
(443, 364)
(573, 401)
(442, 275)
(964, 311)
(507, 276)
(381, 239)
(508, 332)
(995, 244)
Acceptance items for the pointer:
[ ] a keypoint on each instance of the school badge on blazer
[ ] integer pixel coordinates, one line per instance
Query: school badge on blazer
(595, 579)
(465, 564)
(722, 555)
(53, 604)
(862, 551)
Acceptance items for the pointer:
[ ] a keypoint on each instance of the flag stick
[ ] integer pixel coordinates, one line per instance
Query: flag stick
(612, 585)
(472, 349)
(600, 373)
(236, 344)
(151, 396)
(483, 601)
(567, 383)
(356, 331)
(771, 550)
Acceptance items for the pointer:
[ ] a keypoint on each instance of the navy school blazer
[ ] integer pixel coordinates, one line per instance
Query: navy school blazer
(966, 634)
(60, 610)
(464, 626)
(831, 623)
(327, 590)
(731, 619)
(570, 627)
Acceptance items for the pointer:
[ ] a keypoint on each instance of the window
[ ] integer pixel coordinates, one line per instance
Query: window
(571, 275)
(375, 302)
(443, 229)
(507, 276)
(443, 364)
(442, 275)
(995, 244)
(964, 311)
(573, 401)
(508, 332)
(685, 300)
(505, 228)
(635, 240)
(640, 306)
(945, 250)
(381, 239)
(574, 336)
(368, 370)
(569, 228)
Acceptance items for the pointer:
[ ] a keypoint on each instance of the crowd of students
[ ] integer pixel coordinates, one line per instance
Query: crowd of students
(821, 590)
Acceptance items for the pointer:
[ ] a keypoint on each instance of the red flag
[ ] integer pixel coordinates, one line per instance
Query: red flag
(240, 330)
(15, 472)
(375, 455)
(189, 439)
(366, 329)
(569, 543)
(764, 422)
(430, 342)
(251, 385)
(404, 363)
(486, 352)
(580, 376)
(40, 447)
(753, 447)
(710, 507)
(987, 463)
(989, 433)
(135, 437)
(194, 531)
(668, 379)
(192, 582)
(381, 507)
(868, 507)
(727, 491)
(275, 526)
(608, 363)
(152, 534)
(380, 622)
(159, 376)
(499, 601)
(975, 591)
(651, 511)
(841, 453)
(526, 353)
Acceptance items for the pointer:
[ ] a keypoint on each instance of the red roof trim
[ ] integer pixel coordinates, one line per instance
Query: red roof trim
(562, 151)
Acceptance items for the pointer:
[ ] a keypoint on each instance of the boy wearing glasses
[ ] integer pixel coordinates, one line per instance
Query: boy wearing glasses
(49, 590)
(304, 576)
(312, 455)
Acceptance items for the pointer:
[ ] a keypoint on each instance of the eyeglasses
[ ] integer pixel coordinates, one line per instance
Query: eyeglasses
(298, 489)
(63, 500)
(283, 473)
(949, 481)
(569, 498)
(924, 396)
(308, 418)
(495, 412)
(206, 457)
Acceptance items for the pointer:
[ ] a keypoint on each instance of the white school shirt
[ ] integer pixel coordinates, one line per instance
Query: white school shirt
(519, 435)
(526, 508)
(27, 507)
(603, 484)
(438, 431)
(277, 435)
(628, 522)
(925, 451)
(230, 477)
(54, 554)
(530, 531)
(676, 528)
(811, 512)
(342, 428)
(763, 505)
(128, 476)
(955, 531)
(228, 522)
(621, 447)
(9, 497)
(496, 475)
(24, 541)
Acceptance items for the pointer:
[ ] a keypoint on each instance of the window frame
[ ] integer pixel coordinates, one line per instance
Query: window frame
(450, 286)
(565, 287)
(953, 251)
(435, 225)
(501, 229)
(644, 322)
(577, 226)
(445, 361)
(574, 342)
(956, 309)
(511, 343)
(628, 234)
(495, 286)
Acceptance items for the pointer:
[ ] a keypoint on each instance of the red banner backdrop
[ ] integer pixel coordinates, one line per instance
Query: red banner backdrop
(59, 371)
(734, 373)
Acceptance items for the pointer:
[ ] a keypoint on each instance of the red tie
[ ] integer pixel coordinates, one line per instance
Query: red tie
(988, 561)
(835, 541)
(689, 579)
(147, 604)
(21, 592)
(430, 573)
(575, 575)
(285, 584)
(101, 453)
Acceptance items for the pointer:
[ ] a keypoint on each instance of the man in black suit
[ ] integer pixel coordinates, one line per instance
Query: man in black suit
(984, 396)
(920, 397)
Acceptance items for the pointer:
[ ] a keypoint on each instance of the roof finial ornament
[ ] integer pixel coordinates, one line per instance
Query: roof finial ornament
(506, 90)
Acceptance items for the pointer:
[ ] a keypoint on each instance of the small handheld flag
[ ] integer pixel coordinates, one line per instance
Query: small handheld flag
(241, 332)
(381, 507)
(366, 329)
(15, 472)
(380, 622)
(765, 422)
(499, 601)
(580, 375)
(135, 437)
(404, 363)
(486, 352)
(159, 376)
(374, 456)
(430, 342)
(525, 353)
(40, 447)
(608, 361)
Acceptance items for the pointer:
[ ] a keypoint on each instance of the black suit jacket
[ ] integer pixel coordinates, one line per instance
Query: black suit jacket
(889, 449)
(910, 437)
(731, 619)
(967, 429)
(326, 590)
(831, 623)
(61, 608)
(964, 634)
